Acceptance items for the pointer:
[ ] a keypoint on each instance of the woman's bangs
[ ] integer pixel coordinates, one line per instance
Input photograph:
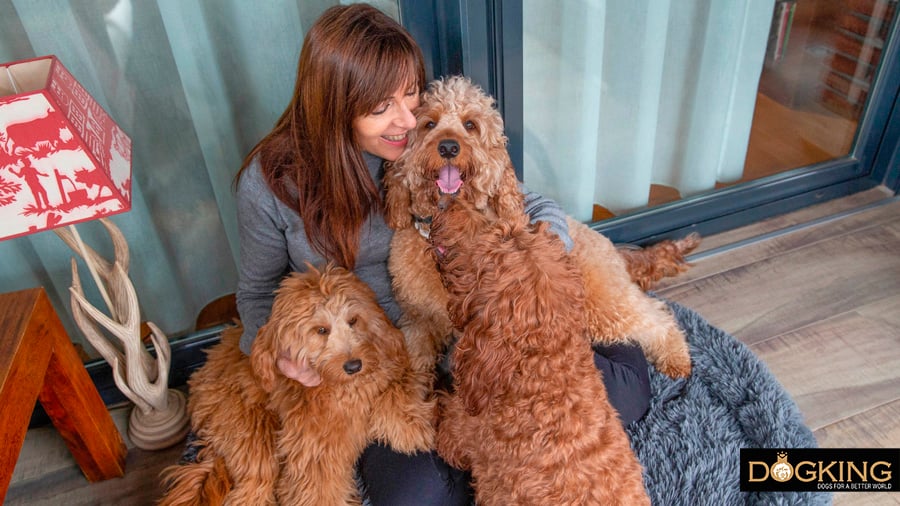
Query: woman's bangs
(391, 73)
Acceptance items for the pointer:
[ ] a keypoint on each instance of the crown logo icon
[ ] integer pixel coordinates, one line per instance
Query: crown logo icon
(781, 470)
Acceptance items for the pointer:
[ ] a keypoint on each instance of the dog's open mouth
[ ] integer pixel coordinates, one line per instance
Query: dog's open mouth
(449, 182)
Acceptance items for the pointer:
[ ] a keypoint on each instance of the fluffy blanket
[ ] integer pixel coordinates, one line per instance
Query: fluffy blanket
(689, 442)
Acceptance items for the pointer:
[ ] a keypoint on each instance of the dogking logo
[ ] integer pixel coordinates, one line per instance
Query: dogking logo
(820, 469)
(781, 470)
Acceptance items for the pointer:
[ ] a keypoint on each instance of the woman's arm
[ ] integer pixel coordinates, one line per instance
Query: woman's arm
(264, 253)
(543, 209)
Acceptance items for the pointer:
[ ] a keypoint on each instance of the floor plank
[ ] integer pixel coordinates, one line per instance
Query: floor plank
(776, 295)
(804, 215)
(828, 366)
(44, 450)
(46, 472)
(780, 244)
(822, 306)
(139, 486)
(866, 499)
(876, 428)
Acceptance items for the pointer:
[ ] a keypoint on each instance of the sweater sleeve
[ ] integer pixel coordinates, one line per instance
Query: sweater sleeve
(264, 253)
(543, 209)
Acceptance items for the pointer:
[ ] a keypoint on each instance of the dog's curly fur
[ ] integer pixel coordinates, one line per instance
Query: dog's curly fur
(529, 414)
(267, 439)
(456, 111)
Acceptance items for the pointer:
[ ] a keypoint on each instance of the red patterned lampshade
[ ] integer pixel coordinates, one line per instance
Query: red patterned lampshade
(63, 160)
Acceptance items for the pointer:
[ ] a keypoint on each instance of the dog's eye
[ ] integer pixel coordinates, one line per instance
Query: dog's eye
(470, 125)
(351, 321)
(430, 125)
(322, 331)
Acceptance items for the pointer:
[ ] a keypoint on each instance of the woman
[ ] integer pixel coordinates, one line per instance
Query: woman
(310, 191)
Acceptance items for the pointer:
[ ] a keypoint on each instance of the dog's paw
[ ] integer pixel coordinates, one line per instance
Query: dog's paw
(420, 433)
(404, 422)
(675, 365)
(418, 436)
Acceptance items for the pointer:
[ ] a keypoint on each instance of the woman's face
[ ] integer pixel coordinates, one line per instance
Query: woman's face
(382, 132)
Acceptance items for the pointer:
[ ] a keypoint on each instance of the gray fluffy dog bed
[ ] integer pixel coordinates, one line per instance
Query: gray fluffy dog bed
(690, 439)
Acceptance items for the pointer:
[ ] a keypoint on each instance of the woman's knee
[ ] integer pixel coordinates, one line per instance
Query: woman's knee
(626, 377)
(395, 479)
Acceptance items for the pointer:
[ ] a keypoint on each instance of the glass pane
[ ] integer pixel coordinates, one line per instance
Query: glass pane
(633, 103)
(820, 62)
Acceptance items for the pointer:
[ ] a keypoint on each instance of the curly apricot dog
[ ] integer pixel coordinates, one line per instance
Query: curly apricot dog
(267, 439)
(529, 414)
(458, 147)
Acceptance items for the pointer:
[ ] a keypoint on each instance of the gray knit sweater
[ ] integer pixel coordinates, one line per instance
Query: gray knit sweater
(273, 244)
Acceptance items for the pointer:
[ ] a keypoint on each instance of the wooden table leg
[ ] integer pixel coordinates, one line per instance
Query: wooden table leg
(38, 361)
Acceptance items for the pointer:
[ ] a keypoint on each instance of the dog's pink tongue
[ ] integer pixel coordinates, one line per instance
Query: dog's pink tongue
(448, 179)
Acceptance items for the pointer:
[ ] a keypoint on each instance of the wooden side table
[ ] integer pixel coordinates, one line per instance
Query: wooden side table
(39, 362)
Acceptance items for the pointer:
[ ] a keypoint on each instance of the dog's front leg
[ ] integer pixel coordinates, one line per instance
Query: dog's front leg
(453, 435)
(424, 340)
(320, 472)
(402, 417)
(421, 295)
(252, 492)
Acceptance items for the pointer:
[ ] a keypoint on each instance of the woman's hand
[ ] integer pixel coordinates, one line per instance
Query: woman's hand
(298, 370)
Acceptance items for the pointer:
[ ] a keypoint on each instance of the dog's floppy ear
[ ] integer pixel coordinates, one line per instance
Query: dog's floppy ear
(483, 370)
(397, 196)
(508, 201)
(263, 357)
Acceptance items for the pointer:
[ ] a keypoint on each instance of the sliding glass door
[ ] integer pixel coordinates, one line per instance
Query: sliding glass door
(659, 116)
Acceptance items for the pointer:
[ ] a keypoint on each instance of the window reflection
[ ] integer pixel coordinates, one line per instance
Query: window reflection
(820, 63)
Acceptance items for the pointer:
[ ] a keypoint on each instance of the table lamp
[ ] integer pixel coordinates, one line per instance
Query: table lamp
(63, 160)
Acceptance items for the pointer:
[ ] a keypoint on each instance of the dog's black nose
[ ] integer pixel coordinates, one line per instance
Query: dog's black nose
(353, 366)
(448, 148)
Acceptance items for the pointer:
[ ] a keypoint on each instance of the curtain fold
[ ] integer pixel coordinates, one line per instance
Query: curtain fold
(195, 84)
(620, 94)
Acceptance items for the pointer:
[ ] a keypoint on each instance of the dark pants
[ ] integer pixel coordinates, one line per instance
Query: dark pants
(395, 479)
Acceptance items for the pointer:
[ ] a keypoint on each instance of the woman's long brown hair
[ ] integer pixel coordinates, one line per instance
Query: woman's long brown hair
(353, 58)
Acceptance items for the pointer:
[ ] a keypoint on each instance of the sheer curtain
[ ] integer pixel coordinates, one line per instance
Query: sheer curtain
(620, 94)
(195, 84)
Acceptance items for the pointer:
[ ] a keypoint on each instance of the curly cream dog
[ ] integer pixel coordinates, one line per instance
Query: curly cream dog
(459, 147)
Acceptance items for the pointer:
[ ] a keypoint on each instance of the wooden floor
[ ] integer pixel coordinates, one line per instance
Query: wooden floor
(819, 303)
(821, 307)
